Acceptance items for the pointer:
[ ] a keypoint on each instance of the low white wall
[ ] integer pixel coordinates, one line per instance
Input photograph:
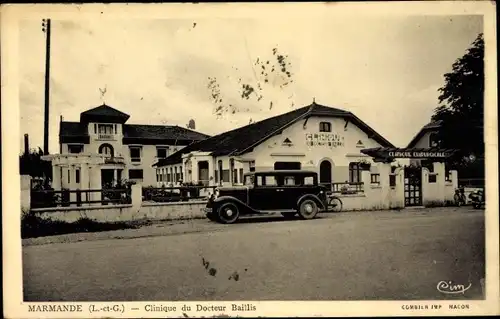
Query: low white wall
(172, 211)
(99, 213)
(114, 213)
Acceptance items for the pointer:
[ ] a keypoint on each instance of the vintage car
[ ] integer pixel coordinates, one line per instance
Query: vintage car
(287, 192)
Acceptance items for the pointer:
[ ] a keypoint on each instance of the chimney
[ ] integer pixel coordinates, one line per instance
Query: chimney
(26, 144)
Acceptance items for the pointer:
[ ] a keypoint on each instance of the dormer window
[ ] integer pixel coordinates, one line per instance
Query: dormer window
(325, 127)
(433, 140)
(106, 131)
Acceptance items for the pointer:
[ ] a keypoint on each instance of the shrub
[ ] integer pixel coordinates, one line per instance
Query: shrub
(33, 225)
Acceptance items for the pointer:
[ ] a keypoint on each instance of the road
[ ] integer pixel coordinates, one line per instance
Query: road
(389, 255)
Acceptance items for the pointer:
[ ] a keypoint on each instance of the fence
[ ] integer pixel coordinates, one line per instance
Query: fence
(63, 198)
(471, 182)
(345, 188)
(176, 194)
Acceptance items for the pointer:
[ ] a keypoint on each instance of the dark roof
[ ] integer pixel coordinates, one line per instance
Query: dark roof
(243, 139)
(104, 113)
(181, 135)
(76, 132)
(432, 126)
(73, 132)
(283, 172)
(72, 129)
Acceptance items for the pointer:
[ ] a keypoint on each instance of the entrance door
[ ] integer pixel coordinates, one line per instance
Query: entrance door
(325, 173)
(413, 186)
(107, 176)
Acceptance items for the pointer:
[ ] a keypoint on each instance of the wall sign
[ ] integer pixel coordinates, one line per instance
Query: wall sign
(417, 154)
(287, 142)
(331, 140)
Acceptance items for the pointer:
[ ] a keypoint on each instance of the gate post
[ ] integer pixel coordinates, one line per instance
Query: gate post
(385, 171)
(25, 192)
(440, 180)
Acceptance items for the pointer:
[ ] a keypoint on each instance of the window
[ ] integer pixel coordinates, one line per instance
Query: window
(77, 176)
(106, 149)
(270, 181)
(220, 170)
(114, 126)
(95, 128)
(325, 127)
(432, 178)
(260, 181)
(106, 129)
(252, 166)
(216, 176)
(433, 140)
(75, 148)
(225, 175)
(375, 178)
(69, 176)
(177, 175)
(287, 165)
(309, 180)
(234, 176)
(135, 154)
(172, 175)
(392, 180)
(182, 176)
(161, 152)
(249, 180)
(289, 181)
(135, 174)
(354, 173)
(241, 174)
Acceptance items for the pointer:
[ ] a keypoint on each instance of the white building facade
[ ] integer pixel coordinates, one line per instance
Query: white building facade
(113, 151)
(315, 137)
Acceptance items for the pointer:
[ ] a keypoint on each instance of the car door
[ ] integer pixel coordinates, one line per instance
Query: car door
(264, 195)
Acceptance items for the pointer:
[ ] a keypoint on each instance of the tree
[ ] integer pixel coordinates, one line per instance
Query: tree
(192, 124)
(32, 164)
(462, 107)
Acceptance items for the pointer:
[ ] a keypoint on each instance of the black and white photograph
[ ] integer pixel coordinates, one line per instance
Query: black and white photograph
(198, 160)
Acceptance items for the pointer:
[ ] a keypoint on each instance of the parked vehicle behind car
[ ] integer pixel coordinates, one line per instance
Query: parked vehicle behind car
(478, 199)
(288, 192)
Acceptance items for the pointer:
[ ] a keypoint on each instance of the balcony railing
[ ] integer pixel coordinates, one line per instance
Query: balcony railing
(114, 160)
(106, 137)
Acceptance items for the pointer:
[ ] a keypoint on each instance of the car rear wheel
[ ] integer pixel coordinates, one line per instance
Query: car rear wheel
(228, 213)
(308, 209)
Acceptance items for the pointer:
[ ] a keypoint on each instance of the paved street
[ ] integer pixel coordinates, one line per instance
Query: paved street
(349, 256)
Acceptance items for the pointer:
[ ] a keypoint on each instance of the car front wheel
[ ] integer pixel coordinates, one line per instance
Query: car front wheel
(308, 209)
(228, 213)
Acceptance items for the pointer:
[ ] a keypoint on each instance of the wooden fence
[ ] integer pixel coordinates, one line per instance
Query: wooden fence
(176, 194)
(345, 188)
(64, 198)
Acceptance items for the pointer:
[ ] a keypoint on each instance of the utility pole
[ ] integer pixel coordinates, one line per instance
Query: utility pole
(46, 29)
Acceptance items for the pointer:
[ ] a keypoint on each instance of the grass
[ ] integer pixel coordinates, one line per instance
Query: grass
(33, 226)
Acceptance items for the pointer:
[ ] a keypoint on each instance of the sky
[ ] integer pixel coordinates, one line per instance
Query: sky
(385, 69)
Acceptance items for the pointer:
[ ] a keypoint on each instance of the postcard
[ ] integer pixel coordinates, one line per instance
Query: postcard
(250, 159)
